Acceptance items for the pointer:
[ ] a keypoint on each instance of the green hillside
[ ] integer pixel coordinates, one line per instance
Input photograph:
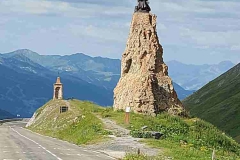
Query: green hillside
(78, 125)
(219, 102)
(183, 138)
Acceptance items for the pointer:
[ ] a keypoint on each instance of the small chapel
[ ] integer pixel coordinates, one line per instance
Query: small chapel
(58, 89)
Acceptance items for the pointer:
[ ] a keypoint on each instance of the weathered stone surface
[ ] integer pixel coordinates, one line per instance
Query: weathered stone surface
(144, 84)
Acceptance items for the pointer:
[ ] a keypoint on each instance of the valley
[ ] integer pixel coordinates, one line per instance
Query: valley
(27, 78)
(124, 80)
(218, 102)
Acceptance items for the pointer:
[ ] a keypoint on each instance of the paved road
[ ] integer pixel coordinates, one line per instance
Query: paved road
(17, 143)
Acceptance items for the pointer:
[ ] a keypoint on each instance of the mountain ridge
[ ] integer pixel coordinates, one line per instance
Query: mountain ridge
(193, 77)
(218, 102)
(23, 91)
(105, 72)
(5, 115)
(84, 77)
(100, 71)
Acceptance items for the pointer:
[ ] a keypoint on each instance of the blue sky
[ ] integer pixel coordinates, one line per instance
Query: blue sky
(196, 31)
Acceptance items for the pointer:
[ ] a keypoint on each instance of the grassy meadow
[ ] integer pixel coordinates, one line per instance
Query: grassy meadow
(184, 138)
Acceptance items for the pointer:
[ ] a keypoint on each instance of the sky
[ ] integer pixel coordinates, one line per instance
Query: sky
(190, 31)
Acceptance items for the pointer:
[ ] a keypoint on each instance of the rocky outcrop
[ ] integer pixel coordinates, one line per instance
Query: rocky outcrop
(144, 84)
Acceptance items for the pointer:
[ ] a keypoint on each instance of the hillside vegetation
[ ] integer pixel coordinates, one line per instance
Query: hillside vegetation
(219, 102)
(183, 138)
(78, 125)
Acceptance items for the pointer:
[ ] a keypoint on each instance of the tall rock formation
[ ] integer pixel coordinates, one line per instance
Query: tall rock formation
(144, 84)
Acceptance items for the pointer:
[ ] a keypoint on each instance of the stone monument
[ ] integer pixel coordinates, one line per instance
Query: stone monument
(143, 6)
(144, 84)
(58, 89)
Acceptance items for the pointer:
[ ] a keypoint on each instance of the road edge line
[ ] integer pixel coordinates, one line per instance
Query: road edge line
(35, 143)
(107, 155)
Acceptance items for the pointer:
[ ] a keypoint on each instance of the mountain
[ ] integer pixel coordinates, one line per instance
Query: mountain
(219, 102)
(193, 77)
(5, 115)
(26, 85)
(182, 93)
(103, 72)
(27, 79)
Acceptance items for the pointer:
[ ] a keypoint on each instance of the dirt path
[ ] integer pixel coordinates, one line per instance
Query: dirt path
(121, 142)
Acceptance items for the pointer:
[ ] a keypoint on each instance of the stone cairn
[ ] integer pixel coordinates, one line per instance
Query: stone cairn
(144, 84)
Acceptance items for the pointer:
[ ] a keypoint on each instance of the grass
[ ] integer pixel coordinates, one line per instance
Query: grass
(218, 102)
(78, 125)
(188, 151)
(178, 152)
(144, 157)
(183, 138)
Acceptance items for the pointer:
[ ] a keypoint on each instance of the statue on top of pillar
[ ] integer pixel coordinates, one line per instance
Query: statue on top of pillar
(143, 6)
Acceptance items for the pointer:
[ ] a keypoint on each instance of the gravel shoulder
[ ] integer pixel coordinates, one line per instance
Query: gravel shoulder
(121, 142)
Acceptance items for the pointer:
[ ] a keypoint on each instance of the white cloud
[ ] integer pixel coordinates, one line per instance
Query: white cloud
(235, 48)
(201, 25)
(25, 6)
(58, 8)
(213, 39)
(108, 34)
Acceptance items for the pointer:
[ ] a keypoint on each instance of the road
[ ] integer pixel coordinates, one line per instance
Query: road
(17, 143)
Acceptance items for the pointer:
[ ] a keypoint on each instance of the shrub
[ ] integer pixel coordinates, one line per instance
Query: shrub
(141, 134)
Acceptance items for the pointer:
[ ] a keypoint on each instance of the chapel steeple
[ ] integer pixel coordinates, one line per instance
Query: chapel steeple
(58, 89)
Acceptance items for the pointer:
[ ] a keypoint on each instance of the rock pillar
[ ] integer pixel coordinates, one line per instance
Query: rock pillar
(144, 84)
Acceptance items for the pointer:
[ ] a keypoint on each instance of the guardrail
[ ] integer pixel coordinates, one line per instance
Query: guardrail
(11, 120)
